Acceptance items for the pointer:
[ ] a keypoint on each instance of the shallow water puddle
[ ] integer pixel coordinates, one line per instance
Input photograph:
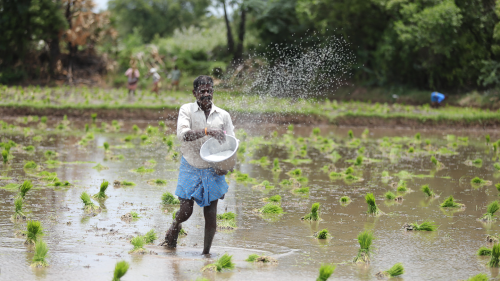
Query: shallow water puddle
(83, 246)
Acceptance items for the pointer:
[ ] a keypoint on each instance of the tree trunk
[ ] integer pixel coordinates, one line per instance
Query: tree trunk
(71, 48)
(230, 40)
(55, 51)
(238, 55)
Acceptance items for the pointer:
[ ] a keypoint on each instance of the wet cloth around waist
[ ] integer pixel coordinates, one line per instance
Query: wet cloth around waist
(202, 185)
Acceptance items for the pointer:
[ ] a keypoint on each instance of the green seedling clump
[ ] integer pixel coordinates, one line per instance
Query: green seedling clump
(495, 255)
(477, 161)
(271, 208)
(30, 165)
(33, 231)
(226, 220)
(157, 182)
(389, 195)
(479, 277)
(427, 190)
(325, 271)
(138, 242)
(302, 190)
(127, 183)
(41, 251)
(492, 208)
(5, 156)
(345, 199)
(372, 206)
(295, 173)
(450, 203)
(106, 146)
(275, 198)
(150, 236)
(350, 134)
(314, 214)
(497, 166)
(224, 262)
(484, 251)
(276, 165)
(323, 234)
(89, 207)
(358, 161)
(169, 199)
(477, 180)
(425, 226)
(121, 269)
(100, 167)
(29, 148)
(18, 214)
(365, 240)
(24, 188)
(395, 270)
(102, 191)
(252, 257)
(487, 137)
(142, 170)
(134, 215)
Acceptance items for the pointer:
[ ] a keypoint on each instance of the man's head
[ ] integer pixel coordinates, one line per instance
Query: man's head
(203, 90)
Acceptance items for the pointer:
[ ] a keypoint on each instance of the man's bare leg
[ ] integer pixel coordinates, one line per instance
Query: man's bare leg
(182, 215)
(210, 213)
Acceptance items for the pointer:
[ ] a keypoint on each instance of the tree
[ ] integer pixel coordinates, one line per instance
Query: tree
(156, 17)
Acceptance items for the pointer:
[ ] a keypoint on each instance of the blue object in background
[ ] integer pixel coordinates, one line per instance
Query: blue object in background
(437, 97)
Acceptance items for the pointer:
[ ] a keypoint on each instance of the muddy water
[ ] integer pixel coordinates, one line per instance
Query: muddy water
(83, 247)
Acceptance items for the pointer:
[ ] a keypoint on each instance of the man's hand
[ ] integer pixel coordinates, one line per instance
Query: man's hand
(217, 134)
(220, 172)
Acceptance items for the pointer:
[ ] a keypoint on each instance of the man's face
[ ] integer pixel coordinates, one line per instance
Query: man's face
(204, 94)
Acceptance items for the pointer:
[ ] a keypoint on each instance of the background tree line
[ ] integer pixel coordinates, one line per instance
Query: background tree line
(424, 44)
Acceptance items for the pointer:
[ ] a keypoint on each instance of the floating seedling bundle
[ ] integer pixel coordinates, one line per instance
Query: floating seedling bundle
(325, 271)
(275, 198)
(121, 269)
(365, 240)
(450, 203)
(394, 271)
(226, 221)
(322, 234)
(479, 182)
(41, 251)
(314, 214)
(484, 251)
(261, 259)
(223, 263)
(138, 242)
(169, 199)
(372, 206)
(428, 191)
(33, 232)
(102, 191)
(89, 206)
(425, 226)
(492, 208)
(18, 214)
(495, 256)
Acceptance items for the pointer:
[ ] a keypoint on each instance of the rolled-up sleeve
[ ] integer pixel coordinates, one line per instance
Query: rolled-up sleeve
(228, 125)
(183, 122)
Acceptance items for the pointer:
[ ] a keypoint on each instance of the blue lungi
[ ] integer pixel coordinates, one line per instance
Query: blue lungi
(202, 185)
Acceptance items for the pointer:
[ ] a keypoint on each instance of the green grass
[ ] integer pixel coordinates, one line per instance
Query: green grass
(495, 256)
(41, 251)
(372, 206)
(271, 208)
(33, 231)
(169, 199)
(365, 240)
(389, 195)
(121, 269)
(425, 226)
(484, 251)
(325, 271)
(102, 191)
(450, 203)
(314, 214)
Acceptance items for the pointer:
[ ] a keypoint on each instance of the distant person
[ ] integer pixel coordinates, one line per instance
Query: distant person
(175, 75)
(156, 80)
(437, 99)
(132, 77)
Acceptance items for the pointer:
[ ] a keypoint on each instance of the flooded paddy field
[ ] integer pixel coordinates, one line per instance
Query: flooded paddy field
(333, 163)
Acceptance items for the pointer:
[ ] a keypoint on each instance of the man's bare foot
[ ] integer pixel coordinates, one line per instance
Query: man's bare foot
(171, 237)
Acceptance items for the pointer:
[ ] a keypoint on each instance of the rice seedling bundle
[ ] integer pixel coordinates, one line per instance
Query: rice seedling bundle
(484, 251)
(359, 160)
(497, 186)
(169, 199)
(295, 173)
(427, 190)
(252, 257)
(226, 220)
(492, 208)
(224, 262)
(24, 188)
(89, 207)
(323, 234)
(365, 240)
(450, 203)
(477, 161)
(345, 199)
(41, 251)
(134, 215)
(33, 231)
(372, 206)
(302, 190)
(497, 166)
(29, 148)
(495, 255)
(271, 208)
(142, 170)
(435, 161)
(275, 198)
(30, 165)
(121, 269)
(5, 156)
(425, 226)
(276, 165)
(150, 236)
(487, 137)
(389, 195)
(325, 271)
(102, 191)
(106, 146)
(314, 214)
(479, 277)
(138, 242)
(395, 270)
(350, 134)
(417, 136)
(477, 180)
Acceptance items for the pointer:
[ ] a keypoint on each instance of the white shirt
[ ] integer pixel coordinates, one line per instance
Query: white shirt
(192, 117)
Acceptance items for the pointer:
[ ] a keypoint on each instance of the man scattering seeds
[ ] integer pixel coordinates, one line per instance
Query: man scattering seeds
(198, 182)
